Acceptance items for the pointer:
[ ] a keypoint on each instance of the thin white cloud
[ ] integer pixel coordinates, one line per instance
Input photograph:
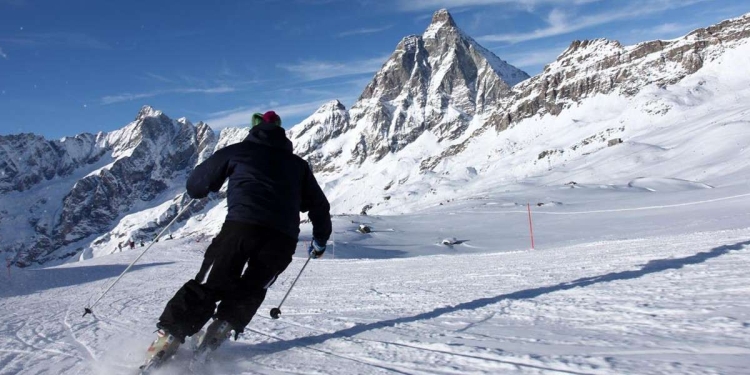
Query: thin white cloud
(560, 22)
(58, 39)
(225, 70)
(315, 69)
(3, 54)
(158, 77)
(666, 30)
(126, 97)
(364, 31)
(534, 58)
(240, 117)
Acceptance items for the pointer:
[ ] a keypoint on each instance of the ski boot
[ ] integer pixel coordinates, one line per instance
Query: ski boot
(216, 333)
(163, 348)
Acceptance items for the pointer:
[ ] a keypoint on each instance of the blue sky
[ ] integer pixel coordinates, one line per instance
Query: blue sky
(74, 66)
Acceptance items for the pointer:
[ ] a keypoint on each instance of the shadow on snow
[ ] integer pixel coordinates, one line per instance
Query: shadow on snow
(24, 282)
(651, 267)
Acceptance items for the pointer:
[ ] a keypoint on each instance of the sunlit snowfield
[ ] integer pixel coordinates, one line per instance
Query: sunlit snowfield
(622, 280)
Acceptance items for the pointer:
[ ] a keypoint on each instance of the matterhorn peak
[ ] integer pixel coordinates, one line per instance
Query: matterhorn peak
(442, 24)
(441, 17)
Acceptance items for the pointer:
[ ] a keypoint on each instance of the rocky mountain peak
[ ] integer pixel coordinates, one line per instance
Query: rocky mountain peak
(601, 66)
(333, 105)
(443, 28)
(329, 121)
(95, 180)
(147, 111)
(587, 48)
(435, 82)
(442, 17)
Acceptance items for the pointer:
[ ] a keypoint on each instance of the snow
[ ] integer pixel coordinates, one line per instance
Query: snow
(695, 130)
(608, 290)
(41, 203)
(148, 111)
(666, 184)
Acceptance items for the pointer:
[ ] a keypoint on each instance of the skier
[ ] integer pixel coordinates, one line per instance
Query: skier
(119, 246)
(132, 244)
(268, 187)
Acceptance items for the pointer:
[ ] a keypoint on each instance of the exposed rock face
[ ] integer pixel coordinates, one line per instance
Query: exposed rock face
(603, 66)
(28, 159)
(328, 122)
(435, 82)
(591, 67)
(159, 149)
(440, 81)
(143, 160)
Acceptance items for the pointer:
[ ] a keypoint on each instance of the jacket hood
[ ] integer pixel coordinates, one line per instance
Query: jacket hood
(270, 135)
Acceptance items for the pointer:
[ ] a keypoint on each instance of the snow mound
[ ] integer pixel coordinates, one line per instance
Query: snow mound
(667, 184)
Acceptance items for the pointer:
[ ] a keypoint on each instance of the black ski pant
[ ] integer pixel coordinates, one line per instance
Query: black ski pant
(264, 251)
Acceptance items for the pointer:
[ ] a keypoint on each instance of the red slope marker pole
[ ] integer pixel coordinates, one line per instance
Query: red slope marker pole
(531, 226)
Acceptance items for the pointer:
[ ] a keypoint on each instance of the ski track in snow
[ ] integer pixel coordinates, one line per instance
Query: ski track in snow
(673, 300)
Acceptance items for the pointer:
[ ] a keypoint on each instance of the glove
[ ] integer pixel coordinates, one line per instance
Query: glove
(316, 250)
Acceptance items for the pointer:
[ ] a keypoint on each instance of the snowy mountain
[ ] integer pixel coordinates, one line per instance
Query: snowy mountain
(59, 196)
(443, 119)
(435, 83)
(415, 140)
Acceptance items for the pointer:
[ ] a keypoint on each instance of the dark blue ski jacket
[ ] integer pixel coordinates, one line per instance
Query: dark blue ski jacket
(268, 184)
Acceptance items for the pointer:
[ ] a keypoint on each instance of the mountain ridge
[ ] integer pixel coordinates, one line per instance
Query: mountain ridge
(428, 106)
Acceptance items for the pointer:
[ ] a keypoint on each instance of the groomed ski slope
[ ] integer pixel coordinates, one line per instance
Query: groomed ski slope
(649, 278)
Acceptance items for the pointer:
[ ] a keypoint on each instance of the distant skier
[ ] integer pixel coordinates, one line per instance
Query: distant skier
(119, 246)
(132, 244)
(268, 187)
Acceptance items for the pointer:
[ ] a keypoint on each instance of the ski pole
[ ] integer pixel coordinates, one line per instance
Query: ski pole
(89, 310)
(276, 311)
